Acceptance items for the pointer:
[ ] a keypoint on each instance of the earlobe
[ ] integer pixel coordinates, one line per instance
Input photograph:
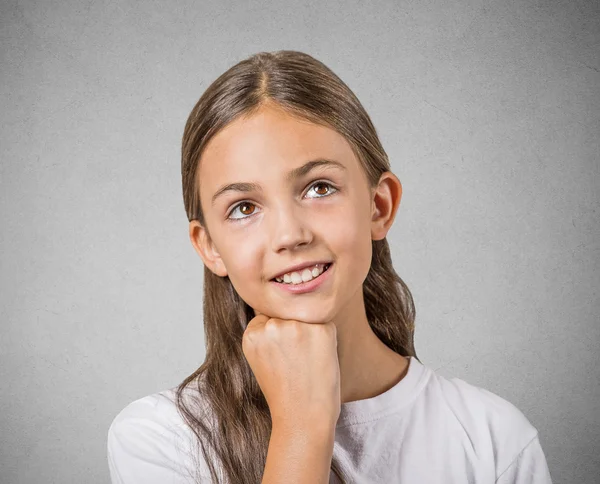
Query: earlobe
(204, 247)
(386, 200)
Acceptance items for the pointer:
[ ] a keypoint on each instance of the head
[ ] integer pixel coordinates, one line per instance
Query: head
(302, 195)
(308, 181)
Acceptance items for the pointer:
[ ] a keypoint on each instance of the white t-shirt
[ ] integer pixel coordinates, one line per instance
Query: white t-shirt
(425, 429)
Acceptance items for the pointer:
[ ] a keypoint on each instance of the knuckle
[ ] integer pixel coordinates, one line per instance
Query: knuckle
(271, 325)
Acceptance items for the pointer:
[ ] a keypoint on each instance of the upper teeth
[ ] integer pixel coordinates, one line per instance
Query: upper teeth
(302, 276)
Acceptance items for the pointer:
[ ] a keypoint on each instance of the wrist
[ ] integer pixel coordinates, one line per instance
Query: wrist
(313, 429)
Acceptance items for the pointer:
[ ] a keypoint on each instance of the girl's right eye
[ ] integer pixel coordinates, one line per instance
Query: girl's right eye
(244, 212)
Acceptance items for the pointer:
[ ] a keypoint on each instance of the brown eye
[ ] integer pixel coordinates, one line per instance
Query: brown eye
(321, 185)
(245, 212)
(244, 208)
(322, 189)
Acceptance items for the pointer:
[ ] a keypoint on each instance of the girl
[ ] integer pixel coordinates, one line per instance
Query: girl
(310, 374)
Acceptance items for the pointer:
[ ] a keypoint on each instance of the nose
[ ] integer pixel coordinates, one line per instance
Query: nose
(289, 227)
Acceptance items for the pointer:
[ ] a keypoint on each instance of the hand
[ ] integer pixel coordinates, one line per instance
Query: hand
(296, 366)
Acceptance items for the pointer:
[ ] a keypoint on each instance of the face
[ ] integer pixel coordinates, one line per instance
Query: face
(288, 213)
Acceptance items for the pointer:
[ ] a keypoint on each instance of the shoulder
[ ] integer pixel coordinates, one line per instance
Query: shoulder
(149, 441)
(490, 409)
(154, 415)
(494, 425)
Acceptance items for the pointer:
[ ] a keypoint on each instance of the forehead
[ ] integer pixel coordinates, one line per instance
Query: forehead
(269, 143)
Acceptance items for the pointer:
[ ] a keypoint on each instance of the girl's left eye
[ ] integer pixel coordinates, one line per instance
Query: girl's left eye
(322, 183)
(246, 204)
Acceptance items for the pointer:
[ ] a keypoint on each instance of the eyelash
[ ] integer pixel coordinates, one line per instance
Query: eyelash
(318, 182)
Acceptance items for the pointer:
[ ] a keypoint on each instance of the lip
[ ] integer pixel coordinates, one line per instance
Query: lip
(302, 266)
(307, 286)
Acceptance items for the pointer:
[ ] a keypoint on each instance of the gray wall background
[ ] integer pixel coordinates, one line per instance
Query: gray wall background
(489, 112)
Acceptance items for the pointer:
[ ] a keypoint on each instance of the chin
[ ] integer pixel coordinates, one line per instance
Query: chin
(318, 312)
(308, 315)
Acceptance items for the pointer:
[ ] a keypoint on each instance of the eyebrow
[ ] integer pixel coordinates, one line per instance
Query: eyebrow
(292, 175)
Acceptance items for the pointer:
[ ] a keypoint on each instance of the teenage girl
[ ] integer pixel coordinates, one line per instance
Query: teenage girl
(311, 375)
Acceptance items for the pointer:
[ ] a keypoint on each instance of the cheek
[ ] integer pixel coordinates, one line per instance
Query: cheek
(239, 249)
(243, 262)
(351, 242)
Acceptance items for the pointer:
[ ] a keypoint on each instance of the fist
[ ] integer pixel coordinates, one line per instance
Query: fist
(296, 366)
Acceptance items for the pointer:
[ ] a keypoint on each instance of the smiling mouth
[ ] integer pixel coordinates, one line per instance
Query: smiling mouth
(293, 280)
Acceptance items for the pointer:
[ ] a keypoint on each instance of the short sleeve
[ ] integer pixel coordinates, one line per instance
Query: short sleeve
(148, 444)
(529, 467)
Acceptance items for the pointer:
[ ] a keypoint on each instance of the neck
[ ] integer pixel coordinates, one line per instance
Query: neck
(368, 367)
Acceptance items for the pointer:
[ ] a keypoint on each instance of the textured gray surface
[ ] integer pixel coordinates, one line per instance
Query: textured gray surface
(489, 112)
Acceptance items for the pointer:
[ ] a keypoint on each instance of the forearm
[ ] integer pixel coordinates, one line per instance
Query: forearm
(299, 455)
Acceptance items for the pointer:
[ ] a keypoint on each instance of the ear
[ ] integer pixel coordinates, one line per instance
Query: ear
(386, 199)
(205, 248)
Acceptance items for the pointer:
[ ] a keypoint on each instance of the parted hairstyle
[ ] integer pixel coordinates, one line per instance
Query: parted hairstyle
(227, 411)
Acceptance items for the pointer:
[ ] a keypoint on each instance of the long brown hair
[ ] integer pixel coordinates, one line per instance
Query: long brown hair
(230, 415)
